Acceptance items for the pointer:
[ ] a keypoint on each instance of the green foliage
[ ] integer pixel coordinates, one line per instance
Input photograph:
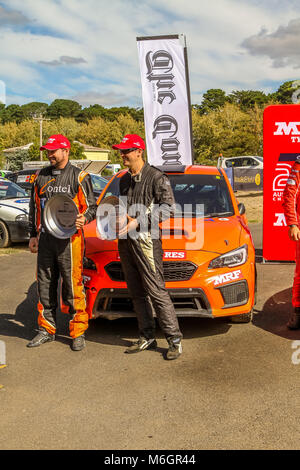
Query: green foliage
(229, 124)
(34, 109)
(76, 152)
(284, 92)
(213, 99)
(63, 108)
(12, 113)
(16, 160)
(247, 99)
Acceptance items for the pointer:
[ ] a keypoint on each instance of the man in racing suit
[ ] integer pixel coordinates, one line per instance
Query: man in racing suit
(291, 208)
(60, 257)
(140, 247)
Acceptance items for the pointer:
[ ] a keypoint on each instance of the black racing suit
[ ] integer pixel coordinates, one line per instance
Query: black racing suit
(142, 255)
(61, 257)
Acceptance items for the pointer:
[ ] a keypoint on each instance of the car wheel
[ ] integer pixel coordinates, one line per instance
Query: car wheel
(242, 318)
(4, 235)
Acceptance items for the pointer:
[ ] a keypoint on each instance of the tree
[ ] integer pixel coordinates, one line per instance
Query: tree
(34, 109)
(76, 152)
(285, 91)
(63, 108)
(15, 160)
(66, 126)
(212, 100)
(95, 110)
(247, 99)
(12, 113)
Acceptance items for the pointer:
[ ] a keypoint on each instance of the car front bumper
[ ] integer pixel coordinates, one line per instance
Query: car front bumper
(204, 293)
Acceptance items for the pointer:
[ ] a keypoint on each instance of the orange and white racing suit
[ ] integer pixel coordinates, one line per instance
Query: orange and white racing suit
(61, 258)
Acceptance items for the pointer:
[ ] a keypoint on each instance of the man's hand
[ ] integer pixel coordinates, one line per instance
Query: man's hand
(33, 244)
(80, 221)
(132, 224)
(294, 233)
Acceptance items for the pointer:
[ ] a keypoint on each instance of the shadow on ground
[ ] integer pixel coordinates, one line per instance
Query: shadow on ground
(23, 324)
(114, 331)
(275, 314)
(120, 332)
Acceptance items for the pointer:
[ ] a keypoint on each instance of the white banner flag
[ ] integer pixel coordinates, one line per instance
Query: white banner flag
(166, 100)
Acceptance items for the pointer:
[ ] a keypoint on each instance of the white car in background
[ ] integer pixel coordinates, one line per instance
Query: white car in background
(245, 161)
(14, 211)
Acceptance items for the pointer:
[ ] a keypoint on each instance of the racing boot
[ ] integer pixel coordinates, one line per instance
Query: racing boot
(141, 345)
(78, 344)
(42, 337)
(294, 320)
(175, 348)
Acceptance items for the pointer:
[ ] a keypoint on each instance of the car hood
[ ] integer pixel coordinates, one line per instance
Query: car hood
(216, 235)
(21, 203)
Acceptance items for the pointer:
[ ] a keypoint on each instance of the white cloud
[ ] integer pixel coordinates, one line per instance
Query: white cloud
(11, 17)
(282, 46)
(99, 38)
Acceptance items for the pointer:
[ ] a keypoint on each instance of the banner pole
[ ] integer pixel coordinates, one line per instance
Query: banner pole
(188, 91)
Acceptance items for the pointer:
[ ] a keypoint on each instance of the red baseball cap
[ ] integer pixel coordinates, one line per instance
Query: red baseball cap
(130, 141)
(57, 141)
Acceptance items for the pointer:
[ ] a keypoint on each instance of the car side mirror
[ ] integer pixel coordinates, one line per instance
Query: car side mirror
(242, 208)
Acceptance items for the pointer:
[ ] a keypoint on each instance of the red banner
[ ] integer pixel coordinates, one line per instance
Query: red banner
(281, 147)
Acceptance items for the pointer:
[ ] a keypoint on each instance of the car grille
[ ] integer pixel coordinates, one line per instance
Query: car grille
(115, 302)
(235, 294)
(173, 271)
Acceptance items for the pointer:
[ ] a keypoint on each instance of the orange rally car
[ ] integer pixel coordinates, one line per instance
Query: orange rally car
(209, 258)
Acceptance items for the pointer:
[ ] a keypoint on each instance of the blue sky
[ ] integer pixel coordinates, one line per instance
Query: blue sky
(86, 49)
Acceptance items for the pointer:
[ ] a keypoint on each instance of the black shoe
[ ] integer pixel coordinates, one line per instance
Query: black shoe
(175, 349)
(141, 345)
(41, 338)
(78, 344)
(294, 320)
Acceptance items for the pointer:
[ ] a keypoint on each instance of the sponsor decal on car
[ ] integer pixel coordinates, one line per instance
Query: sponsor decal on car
(174, 255)
(226, 277)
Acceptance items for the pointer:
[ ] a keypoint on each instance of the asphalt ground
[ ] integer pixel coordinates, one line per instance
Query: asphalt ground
(236, 386)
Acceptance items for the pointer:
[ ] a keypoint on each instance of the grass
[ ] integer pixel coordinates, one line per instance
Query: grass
(12, 250)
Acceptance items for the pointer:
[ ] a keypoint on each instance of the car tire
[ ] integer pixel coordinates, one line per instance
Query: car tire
(4, 236)
(242, 318)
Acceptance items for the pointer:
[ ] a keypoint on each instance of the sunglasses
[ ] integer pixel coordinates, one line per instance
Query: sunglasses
(126, 151)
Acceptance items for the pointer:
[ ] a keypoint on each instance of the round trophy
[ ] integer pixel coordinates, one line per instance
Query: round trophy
(60, 215)
(111, 217)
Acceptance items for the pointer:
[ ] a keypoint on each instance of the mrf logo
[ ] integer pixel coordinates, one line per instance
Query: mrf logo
(289, 128)
(280, 220)
(227, 277)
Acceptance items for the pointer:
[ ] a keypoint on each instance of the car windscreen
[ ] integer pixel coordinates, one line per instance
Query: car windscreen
(206, 195)
(10, 190)
(98, 182)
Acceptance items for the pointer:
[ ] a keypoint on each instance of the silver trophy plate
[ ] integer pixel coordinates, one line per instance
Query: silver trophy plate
(111, 217)
(60, 215)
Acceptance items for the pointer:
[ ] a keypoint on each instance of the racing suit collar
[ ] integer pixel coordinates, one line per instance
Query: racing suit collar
(138, 178)
(59, 171)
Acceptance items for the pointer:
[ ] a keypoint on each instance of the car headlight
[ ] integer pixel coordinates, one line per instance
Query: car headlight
(21, 218)
(231, 259)
(89, 264)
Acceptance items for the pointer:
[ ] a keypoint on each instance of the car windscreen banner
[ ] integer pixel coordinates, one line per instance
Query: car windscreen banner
(248, 179)
(166, 100)
(281, 128)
